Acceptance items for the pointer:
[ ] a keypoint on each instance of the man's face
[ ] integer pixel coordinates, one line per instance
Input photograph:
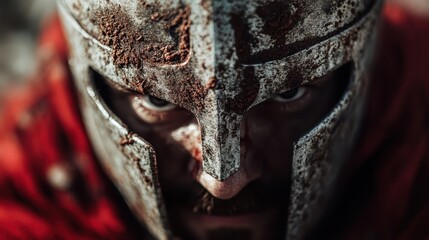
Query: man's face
(253, 202)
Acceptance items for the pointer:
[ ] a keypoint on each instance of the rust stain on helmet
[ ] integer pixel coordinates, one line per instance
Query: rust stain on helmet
(134, 45)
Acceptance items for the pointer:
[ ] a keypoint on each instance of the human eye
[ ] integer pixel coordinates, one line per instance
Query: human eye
(294, 100)
(153, 110)
(291, 95)
(153, 103)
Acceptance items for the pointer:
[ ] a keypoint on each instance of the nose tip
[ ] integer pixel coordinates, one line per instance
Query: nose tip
(190, 138)
(229, 187)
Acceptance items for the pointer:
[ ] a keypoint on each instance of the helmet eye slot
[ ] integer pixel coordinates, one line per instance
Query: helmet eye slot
(286, 117)
(142, 113)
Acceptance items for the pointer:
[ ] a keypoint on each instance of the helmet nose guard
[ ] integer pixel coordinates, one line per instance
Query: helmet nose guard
(220, 145)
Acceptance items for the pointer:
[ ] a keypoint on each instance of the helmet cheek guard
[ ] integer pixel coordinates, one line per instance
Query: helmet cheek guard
(218, 59)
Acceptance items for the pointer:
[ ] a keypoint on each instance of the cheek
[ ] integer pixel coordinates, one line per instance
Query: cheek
(172, 160)
(268, 135)
(269, 141)
(189, 137)
(177, 149)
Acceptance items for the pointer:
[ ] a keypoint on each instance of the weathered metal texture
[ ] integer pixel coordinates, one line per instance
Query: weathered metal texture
(223, 58)
(320, 155)
(128, 159)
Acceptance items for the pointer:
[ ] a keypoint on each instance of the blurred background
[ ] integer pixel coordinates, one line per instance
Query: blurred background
(21, 20)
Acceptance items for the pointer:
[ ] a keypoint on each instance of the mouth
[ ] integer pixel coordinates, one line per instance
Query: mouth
(255, 197)
(259, 208)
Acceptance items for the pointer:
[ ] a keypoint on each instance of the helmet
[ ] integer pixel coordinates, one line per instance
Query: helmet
(219, 60)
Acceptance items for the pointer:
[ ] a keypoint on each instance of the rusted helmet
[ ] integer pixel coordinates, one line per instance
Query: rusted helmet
(218, 60)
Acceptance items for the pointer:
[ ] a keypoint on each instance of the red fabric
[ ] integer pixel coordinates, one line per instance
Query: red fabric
(41, 130)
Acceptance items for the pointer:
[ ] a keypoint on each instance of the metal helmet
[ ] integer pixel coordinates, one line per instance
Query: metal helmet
(218, 59)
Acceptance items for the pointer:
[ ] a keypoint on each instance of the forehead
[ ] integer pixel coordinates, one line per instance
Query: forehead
(245, 51)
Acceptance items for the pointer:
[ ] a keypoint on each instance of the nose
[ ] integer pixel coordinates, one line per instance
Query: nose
(190, 138)
(229, 187)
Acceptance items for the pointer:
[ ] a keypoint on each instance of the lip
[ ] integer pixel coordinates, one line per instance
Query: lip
(232, 221)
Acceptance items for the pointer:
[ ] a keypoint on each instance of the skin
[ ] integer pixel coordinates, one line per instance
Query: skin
(252, 203)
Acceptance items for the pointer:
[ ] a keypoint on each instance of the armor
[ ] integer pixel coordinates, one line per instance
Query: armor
(219, 59)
